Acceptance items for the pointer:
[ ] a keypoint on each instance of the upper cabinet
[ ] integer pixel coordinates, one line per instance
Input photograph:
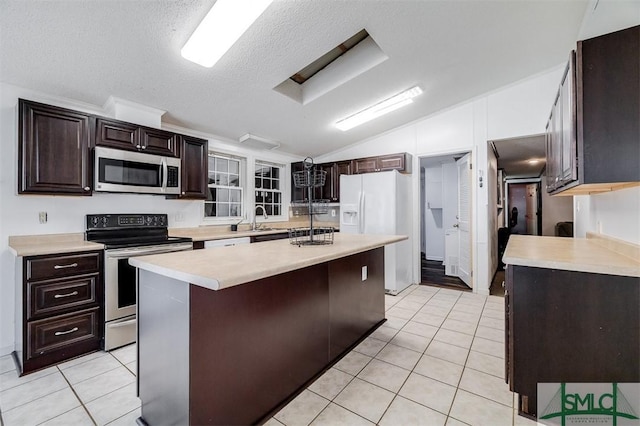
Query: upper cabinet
(400, 162)
(53, 150)
(593, 133)
(132, 137)
(331, 189)
(194, 168)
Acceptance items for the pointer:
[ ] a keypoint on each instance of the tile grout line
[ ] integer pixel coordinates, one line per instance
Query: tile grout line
(77, 397)
(465, 364)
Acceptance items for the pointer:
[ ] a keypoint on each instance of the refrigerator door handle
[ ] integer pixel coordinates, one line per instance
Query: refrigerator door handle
(362, 218)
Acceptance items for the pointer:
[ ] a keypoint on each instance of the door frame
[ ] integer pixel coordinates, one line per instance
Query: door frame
(420, 208)
(538, 201)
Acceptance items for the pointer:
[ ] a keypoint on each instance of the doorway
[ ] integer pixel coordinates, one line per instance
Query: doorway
(445, 213)
(524, 207)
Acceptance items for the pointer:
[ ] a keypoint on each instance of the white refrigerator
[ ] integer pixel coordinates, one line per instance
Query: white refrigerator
(381, 203)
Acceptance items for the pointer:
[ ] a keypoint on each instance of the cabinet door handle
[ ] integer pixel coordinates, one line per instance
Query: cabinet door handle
(86, 188)
(138, 146)
(144, 147)
(60, 333)
(71, 265)
(58, 296)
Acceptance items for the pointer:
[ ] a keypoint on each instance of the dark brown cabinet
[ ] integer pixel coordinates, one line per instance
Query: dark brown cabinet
(400, 162)
(355, 305)
(61, 308)
(330, 191)
(566, 326)
(298, 194)
(53, 150)
(561, 133)
(340, 168)
(605, 153)
(195, 165)
(132, 137)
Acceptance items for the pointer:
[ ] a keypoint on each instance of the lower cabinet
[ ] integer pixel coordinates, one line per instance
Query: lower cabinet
(60, 299)
(565, 326)
(355, 304)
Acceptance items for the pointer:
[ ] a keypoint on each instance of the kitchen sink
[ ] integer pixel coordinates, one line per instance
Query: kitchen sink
(264, 229)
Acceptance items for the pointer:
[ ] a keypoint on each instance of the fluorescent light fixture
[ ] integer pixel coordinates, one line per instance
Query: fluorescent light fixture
(533, 161)
(379, 109)
(220, 29)
(254, 141)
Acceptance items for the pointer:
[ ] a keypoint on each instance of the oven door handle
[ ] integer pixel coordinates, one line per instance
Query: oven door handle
(122, 323)
(143, 252)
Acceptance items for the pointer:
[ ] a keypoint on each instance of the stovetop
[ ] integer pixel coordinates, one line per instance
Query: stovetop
(129, 230)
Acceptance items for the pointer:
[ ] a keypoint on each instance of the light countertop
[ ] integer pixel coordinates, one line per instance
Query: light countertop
(35, 245)
(221, 267)
(595, 254)
(220, 232)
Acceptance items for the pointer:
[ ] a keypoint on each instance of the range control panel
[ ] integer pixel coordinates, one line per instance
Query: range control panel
(115, 221)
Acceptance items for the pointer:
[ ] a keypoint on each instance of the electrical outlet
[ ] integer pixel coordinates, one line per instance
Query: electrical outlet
(333, 212)
(179, 217)
(42, 216)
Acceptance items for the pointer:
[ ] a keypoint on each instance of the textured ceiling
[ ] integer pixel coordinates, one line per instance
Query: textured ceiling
(455, 50)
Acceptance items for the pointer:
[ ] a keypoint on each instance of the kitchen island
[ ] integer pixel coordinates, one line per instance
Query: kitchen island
(228, 335)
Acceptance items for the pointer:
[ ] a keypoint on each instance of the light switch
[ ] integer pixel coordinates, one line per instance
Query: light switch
(364, 273)
(42, 217)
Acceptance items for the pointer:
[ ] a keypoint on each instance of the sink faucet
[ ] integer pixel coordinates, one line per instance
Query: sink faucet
(264, 215)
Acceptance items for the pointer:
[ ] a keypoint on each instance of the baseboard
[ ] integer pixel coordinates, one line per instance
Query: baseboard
(6, 350)
(481, 291)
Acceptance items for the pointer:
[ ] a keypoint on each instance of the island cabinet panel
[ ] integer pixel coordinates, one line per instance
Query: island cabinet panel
(236, 356)
(254, 344)
(565, 326)
(355, 305)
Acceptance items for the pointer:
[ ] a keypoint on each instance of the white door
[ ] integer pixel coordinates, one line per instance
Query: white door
(464, 219)
(531, 216)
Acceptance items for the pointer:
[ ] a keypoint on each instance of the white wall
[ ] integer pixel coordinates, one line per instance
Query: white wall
(616, 214)
(66, 214)
(554, 209)
(518, 110)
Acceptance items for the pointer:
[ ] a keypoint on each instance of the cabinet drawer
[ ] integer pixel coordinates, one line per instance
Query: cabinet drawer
(51, 297)
(51, 334)
(62, 266)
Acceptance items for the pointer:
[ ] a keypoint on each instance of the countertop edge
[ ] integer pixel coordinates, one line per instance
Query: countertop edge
(533, 258)
(198, 280)
(216, 284)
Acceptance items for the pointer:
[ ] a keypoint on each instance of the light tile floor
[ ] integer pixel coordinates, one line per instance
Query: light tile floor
(99, 388)
(438, 360)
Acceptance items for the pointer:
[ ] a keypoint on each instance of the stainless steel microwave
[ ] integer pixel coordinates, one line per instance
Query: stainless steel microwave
(135, 172)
